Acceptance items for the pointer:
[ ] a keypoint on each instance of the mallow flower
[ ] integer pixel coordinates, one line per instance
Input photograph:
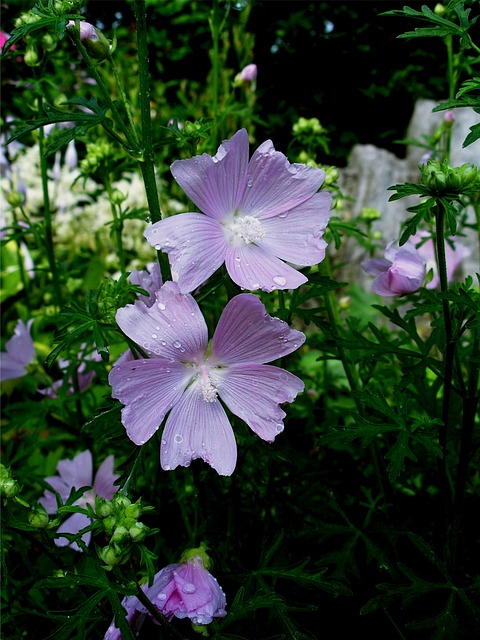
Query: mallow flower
(19, 352)
(75, 474)
(455, 253)
(182, 590)
(257, 216)
(402, 271)
(186, 378)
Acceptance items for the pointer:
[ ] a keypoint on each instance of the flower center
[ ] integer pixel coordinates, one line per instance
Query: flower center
(246, 228)
(207, 388)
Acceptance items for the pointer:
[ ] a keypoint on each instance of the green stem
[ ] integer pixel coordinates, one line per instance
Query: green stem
(131, 137)
(47, 213)
(20, 260)
(215, 29)
(335, 323)
(148, 166)
(125, 101)
(117, 225)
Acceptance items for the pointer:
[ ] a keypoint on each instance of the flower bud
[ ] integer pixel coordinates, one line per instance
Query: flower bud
(117, 197)
(38, 517)
(9, 487)
(331, 175)
(138, 532)
(31, 56)
(370, 214)
(110, 557)
(119, 535)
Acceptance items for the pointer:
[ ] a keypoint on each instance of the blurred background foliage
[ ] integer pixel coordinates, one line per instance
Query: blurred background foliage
(340, 62)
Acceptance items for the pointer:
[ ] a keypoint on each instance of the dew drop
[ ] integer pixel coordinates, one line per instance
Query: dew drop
(178, 438)
(166, 467)
(162, 596)
(161, 306)
(189, 588)
(177, 344)
(283, 215)
(279, 427)
(158, 247)
(154, 336)
(280, 280)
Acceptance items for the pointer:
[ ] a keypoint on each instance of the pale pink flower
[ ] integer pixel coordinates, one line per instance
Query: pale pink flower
(75, 474)
(185, 380)
(402, 271)
(258, 215)
(248, 73)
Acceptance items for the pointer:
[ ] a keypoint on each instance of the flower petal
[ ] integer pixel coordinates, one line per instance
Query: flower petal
(148, 389)
(195, 429)
(252, 267)
(148, 279)
(19, 352)
(172, 328)
(105, 478)
(274, 185)
(216, 184)
(376, 266)
(246, 333)
(297, 235)
(73, 524)
(77, 472)
(254, 393)
(195, 244)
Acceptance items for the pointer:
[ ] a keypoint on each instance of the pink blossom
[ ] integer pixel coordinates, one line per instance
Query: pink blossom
(402, 272)
(258, 215)
(248, 73)
(87, 30)
(75, 474)
(19, 352)
(185, 380)
(453, 254)
(182, 590)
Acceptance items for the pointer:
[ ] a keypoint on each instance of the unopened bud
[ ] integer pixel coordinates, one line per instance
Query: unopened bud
(138, 532)
(31, 56)
(38, 517)
(110, 557)
(119, 535)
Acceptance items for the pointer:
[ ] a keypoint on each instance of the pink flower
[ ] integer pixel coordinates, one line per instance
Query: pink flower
(19, 352)
(402, 272)
(183, 378)
(182, 590)
(454, 255)
(257, 216)
(87, 30)
(3, 38)
(75, 474)
(248, 73)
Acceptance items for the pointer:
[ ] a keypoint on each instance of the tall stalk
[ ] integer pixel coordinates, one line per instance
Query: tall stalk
(147, 164)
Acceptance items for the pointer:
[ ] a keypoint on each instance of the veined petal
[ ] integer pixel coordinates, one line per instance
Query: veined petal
(73, 524)
(77, 472)
(105, 478)
(376, 266)
(197, 428)
(252, 267)
(297, 235)
(381, 285)
(216, 184)
(150, 280)
(274, 185)
(246, 333)
(172, 328)
(148, 389)
(195, 244)
(254, 393)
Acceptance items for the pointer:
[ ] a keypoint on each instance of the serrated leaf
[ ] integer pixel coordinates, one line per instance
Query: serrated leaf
(397, 454)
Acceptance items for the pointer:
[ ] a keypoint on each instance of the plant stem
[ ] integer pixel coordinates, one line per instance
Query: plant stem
(47, 213)
(215, 29)
(117, 225)
(147, 164)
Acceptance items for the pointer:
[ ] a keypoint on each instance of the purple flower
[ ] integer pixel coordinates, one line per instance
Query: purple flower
(182, 590)
(19, 352)
(149, 279)
(75, 474)
(84, 377)
(248, 73)
(183, 378)
(187, 590)
(257, 216)
(453, 255)
(87, 30)
(402, 272)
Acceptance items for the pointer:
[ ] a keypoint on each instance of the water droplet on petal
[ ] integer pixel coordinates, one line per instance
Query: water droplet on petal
(166, 467)
(161, 306)
(154, 335)
(280, 280)
(162, 596)
(178, 438)
(158, 247)
(189, 588)
(177, 344)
